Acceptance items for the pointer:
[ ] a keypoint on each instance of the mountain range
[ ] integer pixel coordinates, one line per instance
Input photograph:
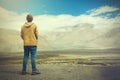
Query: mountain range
(10, 41)
(84, 36)
(79, 36)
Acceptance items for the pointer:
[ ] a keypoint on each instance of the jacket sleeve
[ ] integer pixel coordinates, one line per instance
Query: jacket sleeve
(21, 33)
(36, 32)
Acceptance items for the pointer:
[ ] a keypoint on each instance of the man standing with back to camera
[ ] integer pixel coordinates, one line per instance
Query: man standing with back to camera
(29, 34)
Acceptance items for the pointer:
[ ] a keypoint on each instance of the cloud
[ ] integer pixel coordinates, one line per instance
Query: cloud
(7, 14)
(13, 20)
(100, 25)
(103, 9)
(10, 19)
(12, 3)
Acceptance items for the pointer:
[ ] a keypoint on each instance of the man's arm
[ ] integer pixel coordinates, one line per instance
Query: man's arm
(21, 33)
(36, 32)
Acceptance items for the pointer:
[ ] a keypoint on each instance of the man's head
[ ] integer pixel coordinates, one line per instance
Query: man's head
(29, 18)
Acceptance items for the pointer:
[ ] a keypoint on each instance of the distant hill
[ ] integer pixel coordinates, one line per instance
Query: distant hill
(10, 41)
(84, 36)
(109, 39)
(81, 36)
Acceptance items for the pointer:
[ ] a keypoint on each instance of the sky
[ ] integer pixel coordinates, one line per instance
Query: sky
(52, 14)
(56, 7)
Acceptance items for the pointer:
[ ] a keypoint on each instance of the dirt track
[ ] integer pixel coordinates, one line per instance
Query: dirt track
(61, 72)
(63, 67)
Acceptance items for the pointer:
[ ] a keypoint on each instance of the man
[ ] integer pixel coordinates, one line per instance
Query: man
(29, 34)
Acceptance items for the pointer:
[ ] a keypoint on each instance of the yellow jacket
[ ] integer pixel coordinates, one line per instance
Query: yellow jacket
(29, 34)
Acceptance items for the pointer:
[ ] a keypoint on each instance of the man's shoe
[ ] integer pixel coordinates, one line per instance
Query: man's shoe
(24, 72)
(35, 72)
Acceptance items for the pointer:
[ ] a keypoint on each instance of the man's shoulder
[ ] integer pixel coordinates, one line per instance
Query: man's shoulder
(23, 25)
(34, 25)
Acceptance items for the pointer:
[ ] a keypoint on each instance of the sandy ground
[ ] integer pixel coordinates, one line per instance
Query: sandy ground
(63, 67)
(61, 72)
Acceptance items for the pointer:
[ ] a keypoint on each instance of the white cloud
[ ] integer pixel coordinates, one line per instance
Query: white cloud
(13, 20)
(103, 9)
(100, 25)
(12, 3)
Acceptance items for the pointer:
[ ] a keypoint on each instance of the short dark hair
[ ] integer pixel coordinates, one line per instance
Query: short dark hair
(29, 18)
